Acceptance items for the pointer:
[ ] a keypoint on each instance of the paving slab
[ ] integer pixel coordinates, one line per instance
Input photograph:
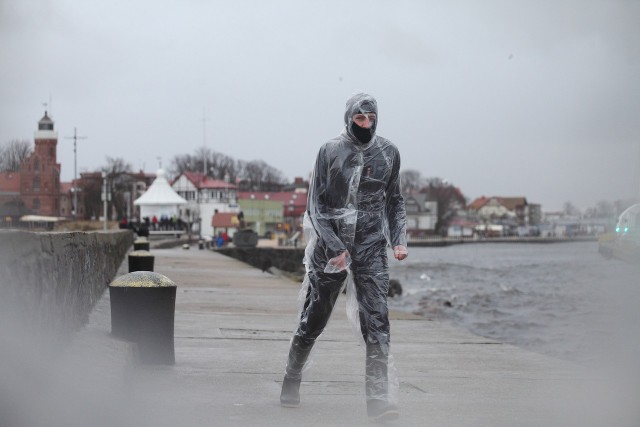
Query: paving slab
(233, 324)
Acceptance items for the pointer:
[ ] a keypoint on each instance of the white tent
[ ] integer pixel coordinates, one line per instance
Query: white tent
(159, 199)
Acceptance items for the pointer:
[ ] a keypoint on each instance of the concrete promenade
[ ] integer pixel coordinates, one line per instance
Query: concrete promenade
(232, 330)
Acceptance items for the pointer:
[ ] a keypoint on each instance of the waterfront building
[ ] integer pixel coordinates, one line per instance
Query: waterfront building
(11, 204)
(205, 197)
(66, 199)
(225, 222)
(509, 210)
(422, 214)
(124, 188)
(35, 187)
(262, 214)
(292, 205)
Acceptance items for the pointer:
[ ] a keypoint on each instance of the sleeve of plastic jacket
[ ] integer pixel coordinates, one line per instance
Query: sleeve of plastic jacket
(395, 209)
(318, 210)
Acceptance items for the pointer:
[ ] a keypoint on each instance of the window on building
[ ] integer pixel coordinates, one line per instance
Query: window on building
(36, 163)
(36, 203)
(36, 184)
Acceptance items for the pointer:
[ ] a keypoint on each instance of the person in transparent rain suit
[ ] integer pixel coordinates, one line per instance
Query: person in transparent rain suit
(354, 210)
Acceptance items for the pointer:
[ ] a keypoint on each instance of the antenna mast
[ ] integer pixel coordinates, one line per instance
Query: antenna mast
(75, 138)
(204, 140)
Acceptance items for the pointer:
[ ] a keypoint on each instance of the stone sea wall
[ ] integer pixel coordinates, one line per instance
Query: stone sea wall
(49, 282)
(286, 259)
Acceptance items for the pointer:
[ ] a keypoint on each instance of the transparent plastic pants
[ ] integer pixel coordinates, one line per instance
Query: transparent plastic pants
(367, 309)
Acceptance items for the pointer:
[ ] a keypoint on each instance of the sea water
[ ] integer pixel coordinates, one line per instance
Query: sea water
(560, 299)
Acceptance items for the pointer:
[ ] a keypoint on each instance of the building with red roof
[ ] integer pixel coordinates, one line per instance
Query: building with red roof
(293, 206)
(11, 205)
(35, 188)
(515, 209)
(205, 197)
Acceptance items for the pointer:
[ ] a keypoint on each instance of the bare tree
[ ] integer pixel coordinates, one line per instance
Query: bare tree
(119, 173)
(222, 166)
(255, 175)
(219, 166)
(117, 166)
(181, 163)
(13, 154)
(603, 209)
(569, 209)
(90, 186)
(410, 180)
(251, 176)
(449, 197)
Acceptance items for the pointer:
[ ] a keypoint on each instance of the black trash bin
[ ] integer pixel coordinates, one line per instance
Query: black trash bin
(142, 311)
(140, 261)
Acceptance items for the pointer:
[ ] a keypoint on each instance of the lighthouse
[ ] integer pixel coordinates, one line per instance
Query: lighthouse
(40, 173)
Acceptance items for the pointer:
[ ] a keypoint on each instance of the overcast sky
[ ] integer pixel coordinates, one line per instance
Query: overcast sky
(513, 98)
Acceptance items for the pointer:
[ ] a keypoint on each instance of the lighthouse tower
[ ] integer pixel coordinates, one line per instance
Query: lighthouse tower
(40, 173)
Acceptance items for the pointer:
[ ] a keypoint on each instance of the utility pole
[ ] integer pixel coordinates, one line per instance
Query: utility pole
(106, 197)
(204, 140)
(74, 188)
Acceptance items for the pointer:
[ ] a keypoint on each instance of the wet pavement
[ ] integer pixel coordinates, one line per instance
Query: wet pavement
(233, 324)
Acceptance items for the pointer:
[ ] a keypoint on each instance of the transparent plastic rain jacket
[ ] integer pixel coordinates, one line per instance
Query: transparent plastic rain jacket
(354, 205)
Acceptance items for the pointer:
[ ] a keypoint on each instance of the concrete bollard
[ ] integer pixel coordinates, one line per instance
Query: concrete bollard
(140, 261)
(142, 311)
(141, 245)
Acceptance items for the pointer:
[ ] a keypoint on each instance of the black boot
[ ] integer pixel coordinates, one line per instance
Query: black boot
(298, 354)
(377, 384)
(381, 411)
(290, 395)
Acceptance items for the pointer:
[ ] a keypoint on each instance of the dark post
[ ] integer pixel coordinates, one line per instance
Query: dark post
(141, 244)
(142, 311)
(140, 261)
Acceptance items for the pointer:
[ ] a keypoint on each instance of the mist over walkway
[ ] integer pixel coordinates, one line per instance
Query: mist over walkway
(233, 324)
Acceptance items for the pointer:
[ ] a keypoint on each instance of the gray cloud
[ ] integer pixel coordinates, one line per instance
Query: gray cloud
(528, 98)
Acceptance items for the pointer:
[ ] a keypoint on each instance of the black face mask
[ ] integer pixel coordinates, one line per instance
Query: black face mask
(363, 135)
